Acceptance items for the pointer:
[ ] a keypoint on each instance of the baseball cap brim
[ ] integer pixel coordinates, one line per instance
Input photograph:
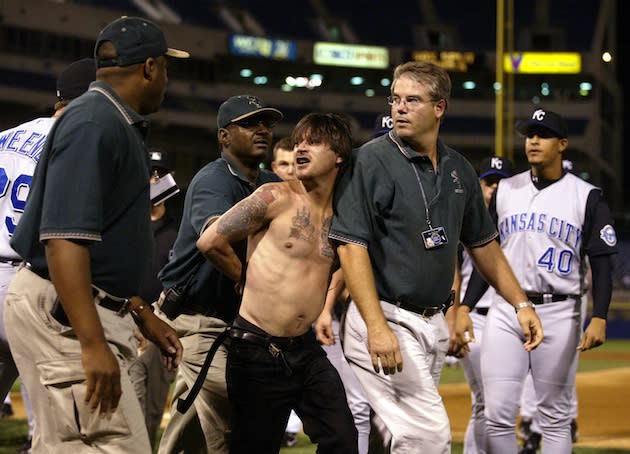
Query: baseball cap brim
(176, 53)
(524, 127)
(269, 112)
(494, 172)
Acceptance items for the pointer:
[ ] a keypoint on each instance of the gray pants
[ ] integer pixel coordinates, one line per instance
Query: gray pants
(205, 427)
(408, 402)
(48, 357)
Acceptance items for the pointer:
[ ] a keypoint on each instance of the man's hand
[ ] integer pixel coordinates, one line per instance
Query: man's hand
(383, 346)
(102, 375)
(456, 347)
(531, 326)
(594, 335)
(161, 334)
(323, 328)
(464, 332)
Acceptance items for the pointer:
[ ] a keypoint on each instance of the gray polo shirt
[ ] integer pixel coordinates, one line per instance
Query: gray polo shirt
(217, 187)
(91, 186)
(379, 205)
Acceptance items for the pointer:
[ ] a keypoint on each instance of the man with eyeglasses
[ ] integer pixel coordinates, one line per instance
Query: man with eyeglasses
(549, 221)
(199, 301)
(400, 215)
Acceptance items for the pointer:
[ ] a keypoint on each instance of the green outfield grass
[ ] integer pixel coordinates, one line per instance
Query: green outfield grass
(614, 353)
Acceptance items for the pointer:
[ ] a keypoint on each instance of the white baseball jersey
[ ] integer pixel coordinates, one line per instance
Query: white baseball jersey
(544, 240)
(20, 148)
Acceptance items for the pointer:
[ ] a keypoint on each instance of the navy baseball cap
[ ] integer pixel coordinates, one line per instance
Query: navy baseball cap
(75, 79)
(135, 39)
(546, 119)
(494, 165)
(383, 125)
(240, 107)
(160, 160)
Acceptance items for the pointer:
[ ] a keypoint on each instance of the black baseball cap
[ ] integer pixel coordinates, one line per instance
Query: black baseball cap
(135, 39)
(160, 161)
(495, 165)
(383, 125)
(569, 167)
(241, 107)
(75, 79)
(545, 119)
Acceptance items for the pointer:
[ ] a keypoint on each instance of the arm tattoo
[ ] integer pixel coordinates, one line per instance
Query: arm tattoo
(302, 229)
(247, 216)
(327, 250)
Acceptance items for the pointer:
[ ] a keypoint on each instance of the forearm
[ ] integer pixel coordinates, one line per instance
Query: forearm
(226, 261)
(359, 277)
(69, 268)
(495, 269)
(601, 284)
(337, 285)
(216, 248)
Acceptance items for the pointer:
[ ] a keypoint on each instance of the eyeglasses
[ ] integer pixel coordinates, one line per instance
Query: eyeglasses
(250, 123)
(412, 102)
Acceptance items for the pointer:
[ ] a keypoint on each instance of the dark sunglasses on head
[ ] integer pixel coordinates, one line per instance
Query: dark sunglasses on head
(542, 133)
(254, 122)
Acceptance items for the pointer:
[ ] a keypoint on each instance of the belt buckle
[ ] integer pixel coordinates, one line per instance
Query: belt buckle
(124, 308)
(547, 298)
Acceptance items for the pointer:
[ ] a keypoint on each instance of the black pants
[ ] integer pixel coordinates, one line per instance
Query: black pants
(263, 388)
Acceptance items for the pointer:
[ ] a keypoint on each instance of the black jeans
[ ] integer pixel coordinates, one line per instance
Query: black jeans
(264, 387)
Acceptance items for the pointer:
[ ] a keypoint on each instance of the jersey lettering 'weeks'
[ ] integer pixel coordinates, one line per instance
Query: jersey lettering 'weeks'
(24, 142)
(542, 223)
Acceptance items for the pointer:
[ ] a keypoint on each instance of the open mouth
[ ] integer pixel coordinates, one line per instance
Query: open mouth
(300, 160)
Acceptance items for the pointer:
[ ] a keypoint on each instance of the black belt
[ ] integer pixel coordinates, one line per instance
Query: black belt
(121, 307)
(424, 311)
(282, 343)
(482, 310)
(11, 261)
(545, 298)
(118, 305)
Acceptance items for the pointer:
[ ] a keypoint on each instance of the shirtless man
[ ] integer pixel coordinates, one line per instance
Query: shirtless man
(274, 361)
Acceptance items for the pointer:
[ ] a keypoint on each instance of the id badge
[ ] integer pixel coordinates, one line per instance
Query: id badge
(434, 238)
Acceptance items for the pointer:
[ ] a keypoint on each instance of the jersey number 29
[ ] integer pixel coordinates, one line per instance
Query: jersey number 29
(18, 194)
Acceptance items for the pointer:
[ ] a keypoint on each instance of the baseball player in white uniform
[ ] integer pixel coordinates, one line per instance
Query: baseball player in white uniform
(20, 148)
(491, 171)
(549, 221)
(528, 430)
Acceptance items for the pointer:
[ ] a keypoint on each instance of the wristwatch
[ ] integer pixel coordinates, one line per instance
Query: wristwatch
(524, 304)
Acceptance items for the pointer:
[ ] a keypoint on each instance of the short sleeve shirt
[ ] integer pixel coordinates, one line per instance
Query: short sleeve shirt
(92, 186)
(213, 190)
(379, 205)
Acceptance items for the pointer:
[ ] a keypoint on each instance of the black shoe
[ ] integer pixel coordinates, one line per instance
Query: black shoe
(289, 440)
(575, 433)
(26, 448)
(6, 411)
(523, 430)
(532, 444)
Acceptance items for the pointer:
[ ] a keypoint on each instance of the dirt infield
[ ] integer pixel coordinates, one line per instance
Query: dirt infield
(603, 405)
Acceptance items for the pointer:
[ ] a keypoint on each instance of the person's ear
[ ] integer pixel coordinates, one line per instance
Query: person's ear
(148, 68)
(564, 143)
(440, 108)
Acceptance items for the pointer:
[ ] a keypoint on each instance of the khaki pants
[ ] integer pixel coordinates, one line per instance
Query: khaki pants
(205, 427)
(48, 357)
(407, 402)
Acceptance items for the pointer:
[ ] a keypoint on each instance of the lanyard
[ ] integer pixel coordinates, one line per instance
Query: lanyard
(415, 171)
